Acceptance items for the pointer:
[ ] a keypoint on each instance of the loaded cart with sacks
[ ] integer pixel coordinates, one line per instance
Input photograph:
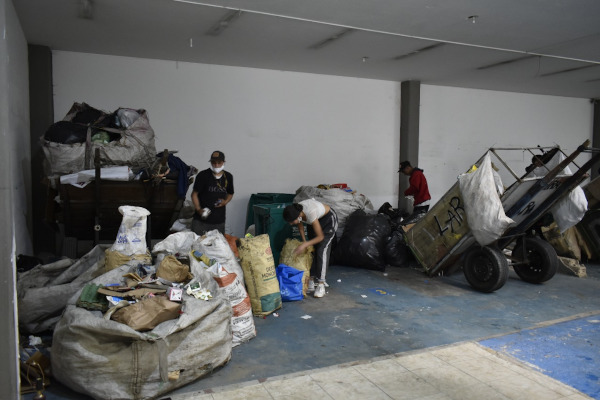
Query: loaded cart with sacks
(96, 161)
(486, 226)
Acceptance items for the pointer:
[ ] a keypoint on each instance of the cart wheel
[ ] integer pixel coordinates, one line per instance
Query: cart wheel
(539, 264)
(485, 268)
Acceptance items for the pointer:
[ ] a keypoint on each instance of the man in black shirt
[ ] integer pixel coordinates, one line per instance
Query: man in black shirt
(213, 189)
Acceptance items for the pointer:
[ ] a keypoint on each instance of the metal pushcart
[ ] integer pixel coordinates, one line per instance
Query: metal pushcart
(443, 237)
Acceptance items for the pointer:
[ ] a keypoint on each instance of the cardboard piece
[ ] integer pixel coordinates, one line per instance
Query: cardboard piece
(135, 293)
(173, 270)
(146, 314)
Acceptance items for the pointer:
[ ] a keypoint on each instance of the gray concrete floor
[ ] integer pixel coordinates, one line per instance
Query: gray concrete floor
(370, 316)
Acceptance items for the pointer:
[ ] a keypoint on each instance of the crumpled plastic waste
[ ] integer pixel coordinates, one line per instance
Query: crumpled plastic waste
(198, 292)
(34, 340)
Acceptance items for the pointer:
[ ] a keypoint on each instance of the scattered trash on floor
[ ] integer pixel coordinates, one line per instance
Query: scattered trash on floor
(306, 316)
(380, 291)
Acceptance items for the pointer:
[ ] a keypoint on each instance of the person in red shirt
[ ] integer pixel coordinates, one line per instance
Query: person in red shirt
(418, 187)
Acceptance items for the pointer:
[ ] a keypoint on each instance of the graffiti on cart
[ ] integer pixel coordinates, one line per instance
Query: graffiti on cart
(532, 204)
(455, 214)
(529, 208)
(553, 185)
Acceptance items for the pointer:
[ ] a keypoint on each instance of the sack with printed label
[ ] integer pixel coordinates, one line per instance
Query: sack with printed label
(131, 238)
(259, 274)
(242, 322)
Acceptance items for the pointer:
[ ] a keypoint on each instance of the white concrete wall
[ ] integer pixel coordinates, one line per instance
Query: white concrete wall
(459, 125)
(280, 130)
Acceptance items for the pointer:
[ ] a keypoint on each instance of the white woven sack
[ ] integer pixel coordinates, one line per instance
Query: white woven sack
(242, 320)
(570, 209)
(110, 361)
(62, 159)
(43, 291)
(135, 147)
(178, 243)
(485, 214)
(214, 245)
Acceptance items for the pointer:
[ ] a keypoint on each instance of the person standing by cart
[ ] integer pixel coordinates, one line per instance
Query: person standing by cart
(213, 190)
(324, 222)
(418, 188)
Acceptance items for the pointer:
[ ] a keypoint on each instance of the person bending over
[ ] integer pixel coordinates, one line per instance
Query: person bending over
(324, 222)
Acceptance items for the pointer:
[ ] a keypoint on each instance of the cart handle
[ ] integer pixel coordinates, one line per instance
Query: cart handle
(545, 181)
(569, 184)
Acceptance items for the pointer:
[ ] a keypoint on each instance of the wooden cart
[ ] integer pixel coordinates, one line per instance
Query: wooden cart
(92, 213)
(443, 236)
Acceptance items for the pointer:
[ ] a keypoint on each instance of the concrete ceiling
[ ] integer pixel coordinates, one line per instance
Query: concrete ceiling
(549, 47)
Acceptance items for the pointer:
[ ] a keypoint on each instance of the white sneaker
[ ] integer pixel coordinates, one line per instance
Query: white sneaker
(311, 286)
(320, 292)
(325, 283)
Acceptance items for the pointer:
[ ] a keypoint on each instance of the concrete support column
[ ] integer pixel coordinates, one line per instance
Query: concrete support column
(596, 132)
(41, 112)
(410, 99)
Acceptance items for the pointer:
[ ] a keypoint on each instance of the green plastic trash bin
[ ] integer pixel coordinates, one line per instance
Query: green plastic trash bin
(265, 198)
(268, 218)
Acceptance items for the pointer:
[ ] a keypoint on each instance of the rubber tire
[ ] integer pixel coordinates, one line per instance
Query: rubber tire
(486, 268)
(542, 260)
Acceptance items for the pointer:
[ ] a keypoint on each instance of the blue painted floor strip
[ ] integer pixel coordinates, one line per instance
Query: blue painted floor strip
(567, 351)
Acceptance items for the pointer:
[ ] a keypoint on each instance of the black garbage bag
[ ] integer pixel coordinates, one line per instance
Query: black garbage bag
(363, 241)
(386, 208)
(87, 115)
(397, 253)
(413, 218)
(396, 215)
(66, 132)
(25, 262)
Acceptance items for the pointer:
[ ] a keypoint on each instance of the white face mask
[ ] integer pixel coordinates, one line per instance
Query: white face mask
(217, 170)
(299, 220)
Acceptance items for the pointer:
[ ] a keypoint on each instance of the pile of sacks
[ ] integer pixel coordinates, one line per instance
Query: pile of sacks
(140, 329)
(123, 137)
(130, 323)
